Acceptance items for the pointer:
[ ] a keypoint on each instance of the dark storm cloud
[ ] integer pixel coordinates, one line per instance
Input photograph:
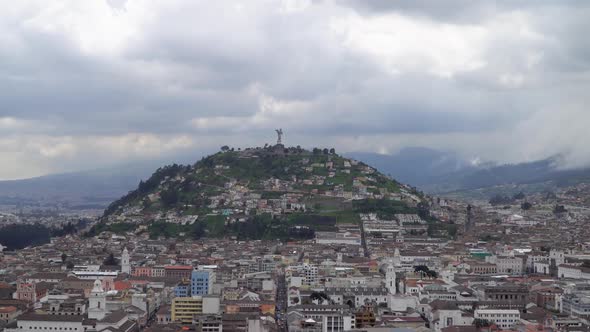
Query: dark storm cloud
(457, 11)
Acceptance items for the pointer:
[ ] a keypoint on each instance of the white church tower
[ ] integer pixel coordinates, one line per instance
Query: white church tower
(397, 258)
(390, 278)
(97, 302)
(125, 265)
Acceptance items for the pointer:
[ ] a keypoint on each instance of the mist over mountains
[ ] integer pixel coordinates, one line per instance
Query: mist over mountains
(83, 189)
(415, 166)
(441, 173)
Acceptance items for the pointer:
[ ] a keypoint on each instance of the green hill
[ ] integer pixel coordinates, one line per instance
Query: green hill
(258, 193)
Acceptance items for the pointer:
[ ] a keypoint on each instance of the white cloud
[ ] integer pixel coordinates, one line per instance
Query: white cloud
(133, 79)
(402, 44)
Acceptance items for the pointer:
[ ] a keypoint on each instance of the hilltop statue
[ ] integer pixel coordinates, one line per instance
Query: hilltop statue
(280, 136)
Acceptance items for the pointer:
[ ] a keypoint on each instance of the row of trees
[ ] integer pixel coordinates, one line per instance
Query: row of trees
(386, 209)
(425, 271)
(317, 151)
(507, 200)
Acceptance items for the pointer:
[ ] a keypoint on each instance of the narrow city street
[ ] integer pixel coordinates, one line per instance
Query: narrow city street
(281, 301)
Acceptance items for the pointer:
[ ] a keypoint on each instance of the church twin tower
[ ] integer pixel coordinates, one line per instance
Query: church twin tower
(125, 265)
(390, 274)
(97, 302)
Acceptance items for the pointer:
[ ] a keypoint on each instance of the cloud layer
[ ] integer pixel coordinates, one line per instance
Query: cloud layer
(86, 84)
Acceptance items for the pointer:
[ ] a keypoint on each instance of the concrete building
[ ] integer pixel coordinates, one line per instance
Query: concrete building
(178, 272)
(576, 305)
(504, 318)
(508, 264)
(182, 289)
(330, 318)
(202, 282)
(184, 308)
(8, 314)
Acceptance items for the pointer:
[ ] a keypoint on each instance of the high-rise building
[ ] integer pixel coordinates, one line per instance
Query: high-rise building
(184, 308)
(202, 282)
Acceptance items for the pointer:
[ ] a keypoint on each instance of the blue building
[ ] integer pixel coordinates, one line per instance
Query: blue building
(183, 289)
(201, 282)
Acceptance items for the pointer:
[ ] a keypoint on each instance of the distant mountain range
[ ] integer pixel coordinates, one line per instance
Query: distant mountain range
(429, 170)
(86, 188)
(415, 166)
(443, 173)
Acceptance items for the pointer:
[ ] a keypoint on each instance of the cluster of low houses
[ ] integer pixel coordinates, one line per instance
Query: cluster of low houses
(238, 199)
(330, 283)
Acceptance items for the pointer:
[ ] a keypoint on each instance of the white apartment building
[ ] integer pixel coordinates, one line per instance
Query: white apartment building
(507, 264)
(503, 318)
(566, 271)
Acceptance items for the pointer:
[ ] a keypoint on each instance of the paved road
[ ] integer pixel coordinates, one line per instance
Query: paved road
(281, 300)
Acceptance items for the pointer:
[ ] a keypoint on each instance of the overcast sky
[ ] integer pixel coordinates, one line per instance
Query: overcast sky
(86, 84)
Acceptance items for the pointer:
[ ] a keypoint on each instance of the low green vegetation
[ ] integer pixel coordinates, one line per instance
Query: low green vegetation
(117, 228)
(215, 226)
(385, 209)
(343, 216)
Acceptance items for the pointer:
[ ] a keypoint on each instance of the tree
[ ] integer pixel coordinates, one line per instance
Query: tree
(559, 209)
(64, 257)
(169, 197)
(479, 323)
(519, 195)
(325, 151)
(332, 151)
(110, 260)
(423, 210)
(452, 231)
(500, 200)
(526, 206)
(225, 148)
(198, 230)
(18, 236)
(321, 297)
(69, 265)
(425, 271)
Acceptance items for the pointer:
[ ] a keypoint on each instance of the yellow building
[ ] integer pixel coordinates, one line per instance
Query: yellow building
(183, 308)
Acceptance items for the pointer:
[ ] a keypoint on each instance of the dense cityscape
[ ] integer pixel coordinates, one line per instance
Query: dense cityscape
(316, 242)
(294, 166)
